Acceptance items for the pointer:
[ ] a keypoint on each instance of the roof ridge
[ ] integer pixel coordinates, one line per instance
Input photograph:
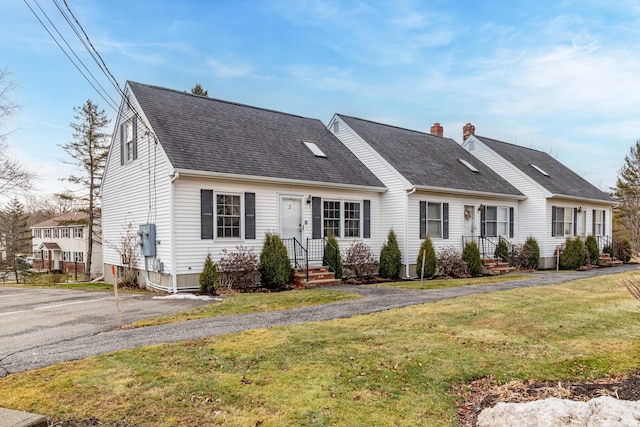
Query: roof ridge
(513, 144)
(224, 101)
(393, 126)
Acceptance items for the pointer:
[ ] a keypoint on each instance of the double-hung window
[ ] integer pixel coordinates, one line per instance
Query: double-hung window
(56, 233)
(563, 221)
(78, 256)
(47, 233)
(37, 233)
(598, 222)
(64, 233)
(331, 218)
(66, 256)
(497, 221)
(228, 215)
(77, 233)
(351, 219)
(434, 220)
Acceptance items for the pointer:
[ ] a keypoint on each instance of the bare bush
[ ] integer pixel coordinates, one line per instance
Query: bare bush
(450, 263)
(633, 285)
(521, 257)
(239, 270)
(360, 261)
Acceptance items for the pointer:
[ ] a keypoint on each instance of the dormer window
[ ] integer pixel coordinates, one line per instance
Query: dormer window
(539, 169)
(314, 149)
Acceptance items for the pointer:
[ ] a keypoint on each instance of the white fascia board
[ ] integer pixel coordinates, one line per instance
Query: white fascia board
(584, 199)
(272, 180)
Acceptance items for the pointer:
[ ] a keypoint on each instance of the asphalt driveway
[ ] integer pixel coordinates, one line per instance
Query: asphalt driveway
(58, 328)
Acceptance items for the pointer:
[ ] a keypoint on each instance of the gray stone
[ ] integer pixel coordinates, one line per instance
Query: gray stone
(11, 418)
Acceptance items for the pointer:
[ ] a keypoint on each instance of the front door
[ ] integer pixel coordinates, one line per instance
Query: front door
(291, 218)
(468, 227)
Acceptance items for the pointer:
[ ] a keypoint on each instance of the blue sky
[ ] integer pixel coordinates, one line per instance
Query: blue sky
(559, 76)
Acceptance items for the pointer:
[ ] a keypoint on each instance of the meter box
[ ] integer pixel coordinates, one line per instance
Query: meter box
(147, 233)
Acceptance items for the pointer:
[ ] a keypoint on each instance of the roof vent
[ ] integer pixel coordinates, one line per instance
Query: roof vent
(539, 169)
(469, 165)
(314, 149)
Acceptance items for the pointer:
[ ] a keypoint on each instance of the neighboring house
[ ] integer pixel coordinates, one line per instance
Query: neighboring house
(559, 202)
(61, 243)
(201, 175)
(435, 187)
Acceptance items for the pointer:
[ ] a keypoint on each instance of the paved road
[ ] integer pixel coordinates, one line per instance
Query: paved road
(65, 348)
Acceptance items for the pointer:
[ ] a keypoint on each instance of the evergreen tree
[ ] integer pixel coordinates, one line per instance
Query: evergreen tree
(89, 149)
(15, 235)
(198, 90)
(275, 266)
(471, 255)
(390, 258)
(430, 261)
(627, 194)
(209, 277)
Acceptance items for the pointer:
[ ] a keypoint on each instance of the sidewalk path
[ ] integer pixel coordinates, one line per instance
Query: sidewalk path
(375, 299)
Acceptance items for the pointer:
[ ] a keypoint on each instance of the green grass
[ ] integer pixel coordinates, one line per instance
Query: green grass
(452, 283)
(396, 367)
(254, 302)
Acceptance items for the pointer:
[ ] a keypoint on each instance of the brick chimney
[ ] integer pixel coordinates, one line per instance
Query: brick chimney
(437, 129)
(467, 131)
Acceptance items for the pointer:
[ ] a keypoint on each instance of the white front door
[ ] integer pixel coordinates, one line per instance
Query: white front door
(469, 222)
(291, 218)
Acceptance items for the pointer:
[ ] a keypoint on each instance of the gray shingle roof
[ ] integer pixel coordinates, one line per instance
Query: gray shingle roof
(560, 180)
(210, 135)
(428, 160)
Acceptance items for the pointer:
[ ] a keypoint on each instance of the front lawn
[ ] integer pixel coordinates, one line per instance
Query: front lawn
(397, 367)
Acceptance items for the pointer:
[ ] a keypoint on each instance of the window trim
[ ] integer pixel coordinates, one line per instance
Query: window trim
(556, 220)
(424, 219)
(339, 219)
(240, 215)
(345, 219)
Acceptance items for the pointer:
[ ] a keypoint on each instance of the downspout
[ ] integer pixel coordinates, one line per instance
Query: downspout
(406, 232)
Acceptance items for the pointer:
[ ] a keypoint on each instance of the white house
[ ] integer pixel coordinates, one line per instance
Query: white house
(61, 244)
(559, 202)
(435, 187)
(198, 175)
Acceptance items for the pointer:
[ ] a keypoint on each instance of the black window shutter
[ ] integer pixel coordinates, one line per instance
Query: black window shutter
(206, 214)
(483, 221)
(575, 221)
(249, 215)
(445, 220)
(366, 219)
(604, 223)
(423, 219)
(511, 222)
(593, 222)
(553, 221)
(122, 137)
(316, 217)
(135, 138)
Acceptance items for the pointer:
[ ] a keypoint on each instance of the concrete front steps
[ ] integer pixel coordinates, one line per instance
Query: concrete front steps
(495, 267)
(318, 276)
(606, 260)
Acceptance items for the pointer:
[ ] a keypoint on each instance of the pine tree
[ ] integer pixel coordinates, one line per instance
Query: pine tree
(627, 194)
(430, 261)
(15, 235)
(209, 277)
(275, 266)
(198, 90)
(89, 149)
(390, 258)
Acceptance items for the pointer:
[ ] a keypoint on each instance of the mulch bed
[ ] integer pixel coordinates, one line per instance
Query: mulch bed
(486, 392)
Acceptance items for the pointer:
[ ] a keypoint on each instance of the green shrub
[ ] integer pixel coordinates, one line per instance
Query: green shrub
(502, 251)
(430, 260)
(209, 276)
(573, 255)
(608, 250)
(332, 255)
(275, 266)
(471, 255)
(533, 253)
(390, 258)
(592, 247)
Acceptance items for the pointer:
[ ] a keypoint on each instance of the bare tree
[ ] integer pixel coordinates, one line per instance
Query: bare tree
(128, 249)
(89, 149)
(14, 178)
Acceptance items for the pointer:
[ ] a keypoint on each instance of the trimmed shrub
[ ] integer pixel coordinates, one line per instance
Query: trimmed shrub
(451, 264)
(360, 261)
(592, 247)
(275, 266)
(390, 258)
(239, 270)
(608, 250)
(534, 253)
(471, 255)
(573, 255)
(430, 260)
(209, 276)
(332, 255)
(502, 251)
